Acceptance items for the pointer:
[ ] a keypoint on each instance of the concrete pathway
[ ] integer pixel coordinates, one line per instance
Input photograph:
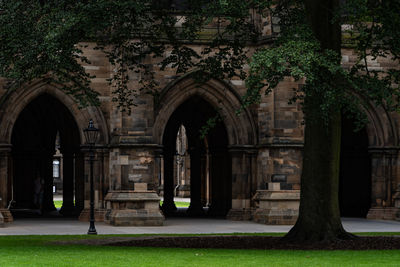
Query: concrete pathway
(61, 226)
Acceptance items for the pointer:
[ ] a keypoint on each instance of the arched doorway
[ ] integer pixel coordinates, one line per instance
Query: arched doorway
(210, 162)
(355, 171)
(33, 139)
(239, 133)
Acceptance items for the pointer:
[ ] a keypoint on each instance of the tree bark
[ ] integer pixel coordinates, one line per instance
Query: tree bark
(319, 215)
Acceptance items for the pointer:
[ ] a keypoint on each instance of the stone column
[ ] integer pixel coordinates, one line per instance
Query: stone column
(184, 188)
(99, 212)
(79, 181)
(47, 168)
(383, 186)
(158, 179)
(168, 203)
(204, 179)
(5, 182)
(137, 167)
(195, 208)
(242, 179)
(221, 182)
(68, 207)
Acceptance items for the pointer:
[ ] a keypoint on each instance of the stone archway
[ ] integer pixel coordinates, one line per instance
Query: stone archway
(384, 151)
(210, 178)
(33, 148)
(369, 172)
(240, 130)
(13, 105)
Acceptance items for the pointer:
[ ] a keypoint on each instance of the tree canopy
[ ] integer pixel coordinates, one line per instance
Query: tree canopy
(369, 29)
(40, 39)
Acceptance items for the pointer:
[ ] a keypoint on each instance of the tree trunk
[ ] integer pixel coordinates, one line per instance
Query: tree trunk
(319, 215)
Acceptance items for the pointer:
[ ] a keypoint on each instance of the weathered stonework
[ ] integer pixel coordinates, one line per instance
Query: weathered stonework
(275, 206)
(1, 220)
(7, 216)
(138, 207)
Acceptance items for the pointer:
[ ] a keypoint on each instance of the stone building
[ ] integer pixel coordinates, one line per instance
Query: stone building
(247, 168)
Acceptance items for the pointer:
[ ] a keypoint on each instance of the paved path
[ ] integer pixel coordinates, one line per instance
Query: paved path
(59, 226)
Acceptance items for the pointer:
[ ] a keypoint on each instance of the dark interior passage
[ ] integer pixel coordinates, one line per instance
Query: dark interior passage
(210, 162)
(355, 171)
(33, 139)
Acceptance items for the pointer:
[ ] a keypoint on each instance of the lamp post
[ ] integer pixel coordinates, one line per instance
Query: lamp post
(91, 134)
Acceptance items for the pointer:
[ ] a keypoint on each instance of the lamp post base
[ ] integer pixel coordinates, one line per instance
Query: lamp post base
(92, 232)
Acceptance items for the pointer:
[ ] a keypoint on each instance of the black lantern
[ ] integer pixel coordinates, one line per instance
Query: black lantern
(91, 134)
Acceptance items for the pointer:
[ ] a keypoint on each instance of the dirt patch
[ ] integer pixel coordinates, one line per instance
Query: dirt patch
(241, 242)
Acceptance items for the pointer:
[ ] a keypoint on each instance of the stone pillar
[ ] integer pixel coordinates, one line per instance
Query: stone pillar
(5, 183)
(221, 182)
(129, 202)
(168, 203)
(184, 188)
(99, 212)
(1, 220)
(159, 171)
(1, 217)
(397, 202)
(204, 179)
(242, 179)
(68, 207)
(79, 181)
(104, 178)
(195, 208)
(47, 172)
(383, 175)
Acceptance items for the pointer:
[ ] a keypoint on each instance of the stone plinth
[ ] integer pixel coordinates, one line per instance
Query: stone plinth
(7, 216)
(396, 198)
(277, 206)
(133, 208)
(382, 213)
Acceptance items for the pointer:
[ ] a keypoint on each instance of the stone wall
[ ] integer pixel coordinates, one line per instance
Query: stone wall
(265, 142)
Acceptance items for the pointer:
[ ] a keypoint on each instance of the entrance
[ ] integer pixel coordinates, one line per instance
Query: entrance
(210, 163)
(46, 158)
(355, 171)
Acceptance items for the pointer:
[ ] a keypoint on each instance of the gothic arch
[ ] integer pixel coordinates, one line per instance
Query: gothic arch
(241, 128)
(370, 166)
(381, 129)
(12, 104)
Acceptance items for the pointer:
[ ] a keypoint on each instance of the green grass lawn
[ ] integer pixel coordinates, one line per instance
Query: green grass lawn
(36, 251)
(179, 204)
(58, 203)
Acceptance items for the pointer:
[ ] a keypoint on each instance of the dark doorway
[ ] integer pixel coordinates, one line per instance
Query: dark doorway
(39, 125)
(209, 160)
(355, 171)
